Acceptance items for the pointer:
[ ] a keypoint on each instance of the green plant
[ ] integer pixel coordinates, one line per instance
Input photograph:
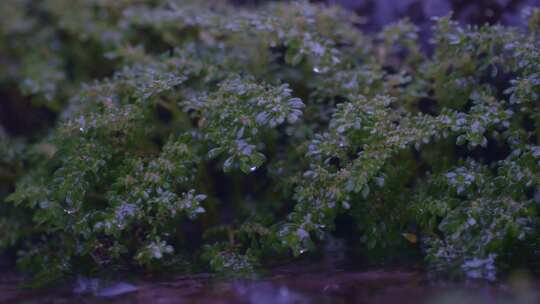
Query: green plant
(252, 130)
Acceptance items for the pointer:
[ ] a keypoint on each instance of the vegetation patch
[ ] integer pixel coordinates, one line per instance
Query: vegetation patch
(194, 135)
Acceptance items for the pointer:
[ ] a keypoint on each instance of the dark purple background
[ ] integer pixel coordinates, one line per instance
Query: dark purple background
(381, 12)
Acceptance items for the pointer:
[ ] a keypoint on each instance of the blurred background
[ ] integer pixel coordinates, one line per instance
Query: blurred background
(381, 12)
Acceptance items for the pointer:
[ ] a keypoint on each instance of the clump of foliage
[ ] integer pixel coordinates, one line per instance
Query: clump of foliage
(197, 133)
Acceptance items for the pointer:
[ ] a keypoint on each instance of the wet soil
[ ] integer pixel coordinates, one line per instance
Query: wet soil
(296, 283)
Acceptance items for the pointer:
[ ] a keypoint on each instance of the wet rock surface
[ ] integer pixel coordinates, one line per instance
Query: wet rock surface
(297, 283)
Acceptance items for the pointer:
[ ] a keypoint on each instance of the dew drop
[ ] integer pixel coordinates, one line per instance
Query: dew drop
(68, 211)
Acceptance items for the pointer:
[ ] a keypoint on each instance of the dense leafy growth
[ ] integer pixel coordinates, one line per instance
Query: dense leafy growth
(193, 135)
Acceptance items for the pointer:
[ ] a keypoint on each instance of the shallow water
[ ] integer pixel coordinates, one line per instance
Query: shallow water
(296, 283)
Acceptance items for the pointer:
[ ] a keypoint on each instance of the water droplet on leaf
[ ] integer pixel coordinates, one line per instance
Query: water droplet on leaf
(69, 211)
